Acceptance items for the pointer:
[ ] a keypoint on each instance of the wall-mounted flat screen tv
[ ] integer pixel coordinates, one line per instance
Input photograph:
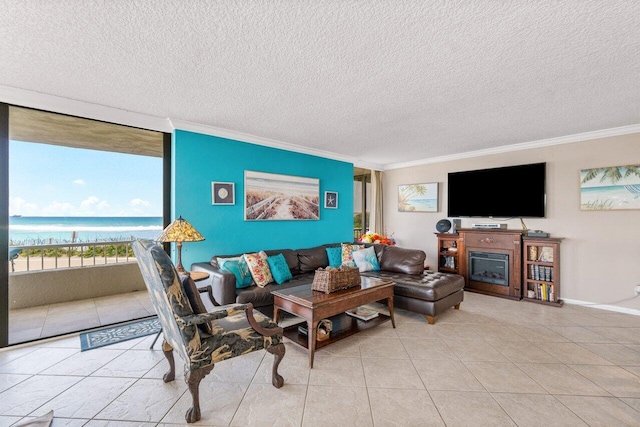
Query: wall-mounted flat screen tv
(505, 192)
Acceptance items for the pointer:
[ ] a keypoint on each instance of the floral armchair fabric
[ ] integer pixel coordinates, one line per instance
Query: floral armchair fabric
(235, 328)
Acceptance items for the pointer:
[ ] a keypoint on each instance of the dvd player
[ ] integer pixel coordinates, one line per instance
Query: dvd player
(490, 226)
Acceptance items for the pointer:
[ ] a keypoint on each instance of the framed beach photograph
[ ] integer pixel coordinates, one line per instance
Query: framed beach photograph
(331, 200)
(270, 196)
(223, 193)
(418, 197)
(610, 188)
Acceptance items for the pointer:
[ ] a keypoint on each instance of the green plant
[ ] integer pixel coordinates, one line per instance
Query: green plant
(614, 174)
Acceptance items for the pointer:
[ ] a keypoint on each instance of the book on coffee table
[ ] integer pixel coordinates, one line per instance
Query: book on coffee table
(362, 313)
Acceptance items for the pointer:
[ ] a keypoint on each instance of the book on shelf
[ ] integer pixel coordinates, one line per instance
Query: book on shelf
(546, 254)
(362, 313)
(545, 292)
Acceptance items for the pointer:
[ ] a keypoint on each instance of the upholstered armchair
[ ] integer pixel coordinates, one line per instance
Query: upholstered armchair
(202, 338)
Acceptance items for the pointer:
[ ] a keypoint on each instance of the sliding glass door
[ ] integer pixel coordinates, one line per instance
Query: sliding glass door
(77, 192)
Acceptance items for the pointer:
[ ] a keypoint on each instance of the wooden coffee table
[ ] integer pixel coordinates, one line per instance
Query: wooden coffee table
(314, 306)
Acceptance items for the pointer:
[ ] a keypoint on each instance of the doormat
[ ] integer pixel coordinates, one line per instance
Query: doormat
(115, 334)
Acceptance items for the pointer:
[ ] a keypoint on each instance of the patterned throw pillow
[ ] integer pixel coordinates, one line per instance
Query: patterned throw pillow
(347, 253)
(335, 256)
(279, 268)
(366, 259)
(259, 268)
(238, 266)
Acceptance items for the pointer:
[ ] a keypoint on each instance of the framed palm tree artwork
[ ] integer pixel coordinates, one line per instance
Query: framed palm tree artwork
(418, 197)
(610, 188)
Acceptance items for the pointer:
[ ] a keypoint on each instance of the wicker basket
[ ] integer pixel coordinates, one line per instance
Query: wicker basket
(335, 279)
(324, 330)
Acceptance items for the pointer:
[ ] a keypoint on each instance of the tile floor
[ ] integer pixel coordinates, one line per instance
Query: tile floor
(46, 321)
(495, 362)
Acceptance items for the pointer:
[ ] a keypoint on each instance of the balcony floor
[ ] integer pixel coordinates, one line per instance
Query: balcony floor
(51, 320)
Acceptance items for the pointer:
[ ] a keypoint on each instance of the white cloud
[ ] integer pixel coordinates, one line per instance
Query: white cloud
(89, 202)
(59, 209)
(19, 206)
(137, 203)
(93, 205)
(139, 206)
(78, 181)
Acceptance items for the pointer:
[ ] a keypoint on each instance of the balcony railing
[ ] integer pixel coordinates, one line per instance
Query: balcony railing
(67, 255)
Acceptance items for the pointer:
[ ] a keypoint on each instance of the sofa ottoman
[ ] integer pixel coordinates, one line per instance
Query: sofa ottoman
(429, 293)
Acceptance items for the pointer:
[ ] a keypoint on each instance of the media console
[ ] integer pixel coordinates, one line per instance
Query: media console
(503, 263)
(489, 260)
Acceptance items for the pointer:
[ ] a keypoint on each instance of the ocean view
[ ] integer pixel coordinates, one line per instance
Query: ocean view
(50, 230)
(421, 205)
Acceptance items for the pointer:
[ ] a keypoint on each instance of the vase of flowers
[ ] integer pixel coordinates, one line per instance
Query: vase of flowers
(370, 237)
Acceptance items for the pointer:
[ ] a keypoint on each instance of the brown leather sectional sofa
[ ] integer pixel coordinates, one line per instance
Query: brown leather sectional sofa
(417, 290)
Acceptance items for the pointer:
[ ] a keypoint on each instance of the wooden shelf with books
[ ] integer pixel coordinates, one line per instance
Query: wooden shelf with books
(449, 250)
(541, 270)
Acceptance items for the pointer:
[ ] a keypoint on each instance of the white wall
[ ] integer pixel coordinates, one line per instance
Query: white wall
(600, 253)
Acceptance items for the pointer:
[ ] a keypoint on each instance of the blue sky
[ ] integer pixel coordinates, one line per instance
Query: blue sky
(48, 180)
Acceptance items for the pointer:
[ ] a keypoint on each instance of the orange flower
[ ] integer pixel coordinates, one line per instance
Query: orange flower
(377, 238)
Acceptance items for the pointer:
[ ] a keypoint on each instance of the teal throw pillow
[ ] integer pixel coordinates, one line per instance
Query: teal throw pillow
(279, 268)
(238, 266)
(366, 259)
(335, 256)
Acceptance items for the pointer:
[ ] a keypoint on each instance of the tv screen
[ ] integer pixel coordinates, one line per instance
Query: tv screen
(505, 192)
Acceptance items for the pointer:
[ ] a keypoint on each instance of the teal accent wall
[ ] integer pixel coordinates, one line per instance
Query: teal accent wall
(199, 159)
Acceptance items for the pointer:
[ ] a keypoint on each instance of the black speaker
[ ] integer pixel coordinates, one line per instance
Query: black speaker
(443, 226)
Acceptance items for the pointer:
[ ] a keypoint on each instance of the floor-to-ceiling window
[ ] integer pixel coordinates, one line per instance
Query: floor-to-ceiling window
(361, 201)
(4, 224)
(77, 191)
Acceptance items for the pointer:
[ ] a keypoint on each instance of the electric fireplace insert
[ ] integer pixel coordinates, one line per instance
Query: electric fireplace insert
(489, 267)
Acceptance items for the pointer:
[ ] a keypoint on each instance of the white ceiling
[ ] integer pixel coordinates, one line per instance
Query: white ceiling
(380, 82)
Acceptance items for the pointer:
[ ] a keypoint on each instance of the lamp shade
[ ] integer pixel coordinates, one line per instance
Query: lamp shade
(180, 231)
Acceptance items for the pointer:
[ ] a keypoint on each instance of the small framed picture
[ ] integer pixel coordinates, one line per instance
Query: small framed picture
(330, 200)
(223, 193)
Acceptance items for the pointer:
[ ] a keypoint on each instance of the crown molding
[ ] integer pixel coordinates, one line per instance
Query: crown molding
(57, 104)
(72, 107)
(586, 136)
(603, 306)
(267, 142)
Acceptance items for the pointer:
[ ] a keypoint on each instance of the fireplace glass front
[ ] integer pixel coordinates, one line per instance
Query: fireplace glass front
(489, 268)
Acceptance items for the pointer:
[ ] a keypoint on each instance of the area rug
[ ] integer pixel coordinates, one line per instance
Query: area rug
(115, 334)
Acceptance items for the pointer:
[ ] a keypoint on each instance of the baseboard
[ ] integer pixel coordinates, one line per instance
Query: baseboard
(624, 310)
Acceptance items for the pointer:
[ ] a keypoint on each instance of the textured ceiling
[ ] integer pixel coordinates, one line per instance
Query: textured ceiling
(377, 81)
